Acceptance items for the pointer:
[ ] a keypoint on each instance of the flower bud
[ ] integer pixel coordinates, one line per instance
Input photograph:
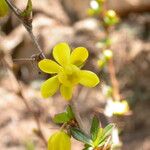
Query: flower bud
(59, 141)
(108, 54)
(111, 18)
(111, 14)
(101, 63)
(3, 8)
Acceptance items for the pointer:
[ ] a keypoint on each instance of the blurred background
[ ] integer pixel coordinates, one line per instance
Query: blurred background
(57, 21)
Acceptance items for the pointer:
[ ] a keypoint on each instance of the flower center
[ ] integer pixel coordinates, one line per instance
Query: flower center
(69, 75)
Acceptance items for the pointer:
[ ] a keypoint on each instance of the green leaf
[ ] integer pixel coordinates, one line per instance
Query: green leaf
(28, 11)
(80, 136)
(99, 136)
(70, 113)
(108, 130)
(94, 128)
(61, 118)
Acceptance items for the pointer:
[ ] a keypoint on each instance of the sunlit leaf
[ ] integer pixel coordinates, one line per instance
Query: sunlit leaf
(61, 118)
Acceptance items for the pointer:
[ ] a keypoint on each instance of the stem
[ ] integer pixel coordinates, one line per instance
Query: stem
(114, 80)
(28, 26)
(112, 73)
(74, 107)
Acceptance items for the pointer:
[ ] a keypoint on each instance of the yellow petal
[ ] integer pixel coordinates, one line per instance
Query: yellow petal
(88, 78)
(59, 141)
(49, 66)
(66, 92)
(79, 56)
(61, 53)
(50, 87)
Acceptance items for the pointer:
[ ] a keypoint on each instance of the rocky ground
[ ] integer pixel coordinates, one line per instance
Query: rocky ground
(54, 23)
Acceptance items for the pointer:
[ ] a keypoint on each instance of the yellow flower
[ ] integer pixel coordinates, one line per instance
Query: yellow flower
(59, 141)
(116, 108)
(66, 70)
(121, 108)
(3, 8)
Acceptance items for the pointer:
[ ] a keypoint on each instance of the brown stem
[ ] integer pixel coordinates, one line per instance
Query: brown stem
(112, 72)
(114, 80)
(28, 26)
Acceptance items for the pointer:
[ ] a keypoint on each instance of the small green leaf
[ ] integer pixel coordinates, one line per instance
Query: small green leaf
(106, 132)
(27, 12)
(80, 136)
(61, 118)
(70, 112)
(94, 128)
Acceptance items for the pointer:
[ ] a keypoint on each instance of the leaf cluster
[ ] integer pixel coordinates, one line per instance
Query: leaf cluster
(99, 137)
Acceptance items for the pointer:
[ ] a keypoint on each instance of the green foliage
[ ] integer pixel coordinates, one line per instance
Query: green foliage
(98, 138)
(3, 8)
(80, 136)
(94, 128)
(28, 11)
(64, 117)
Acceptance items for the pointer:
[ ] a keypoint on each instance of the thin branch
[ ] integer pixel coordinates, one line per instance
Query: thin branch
(74, 107)
(27, 26)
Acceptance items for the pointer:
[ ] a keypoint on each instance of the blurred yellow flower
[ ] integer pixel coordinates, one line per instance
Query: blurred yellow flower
(59, 141)
(3, 8)
(67, 71)
(116, 108)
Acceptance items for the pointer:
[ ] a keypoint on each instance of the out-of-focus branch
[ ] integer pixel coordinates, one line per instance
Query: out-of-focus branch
(8, 64)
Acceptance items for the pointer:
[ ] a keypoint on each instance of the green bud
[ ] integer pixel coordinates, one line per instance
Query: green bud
(101, 63)
(59, 141)
(111, 18)
(3, 8)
